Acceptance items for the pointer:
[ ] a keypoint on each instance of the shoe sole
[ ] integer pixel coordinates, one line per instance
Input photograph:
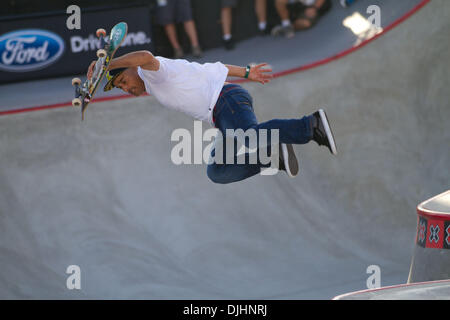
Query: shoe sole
(290, 160)
(330, 136)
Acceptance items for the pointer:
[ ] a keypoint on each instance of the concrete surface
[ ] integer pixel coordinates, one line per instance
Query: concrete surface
(429, 264)
(436, 290)
(103, 194)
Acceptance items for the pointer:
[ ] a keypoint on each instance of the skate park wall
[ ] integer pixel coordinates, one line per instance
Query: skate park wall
(103, 194)
(431, 258)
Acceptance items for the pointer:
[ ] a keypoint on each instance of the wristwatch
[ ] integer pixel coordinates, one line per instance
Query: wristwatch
(247, 72)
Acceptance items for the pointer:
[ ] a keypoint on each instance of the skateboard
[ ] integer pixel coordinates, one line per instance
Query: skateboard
(109, 45)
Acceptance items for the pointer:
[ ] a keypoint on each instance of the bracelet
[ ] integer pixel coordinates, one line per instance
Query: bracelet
(247, 72)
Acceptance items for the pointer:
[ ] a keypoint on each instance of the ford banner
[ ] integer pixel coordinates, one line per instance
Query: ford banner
(29, 50)
(43, 47)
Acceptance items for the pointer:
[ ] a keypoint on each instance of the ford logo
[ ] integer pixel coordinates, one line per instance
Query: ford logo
(29, 50)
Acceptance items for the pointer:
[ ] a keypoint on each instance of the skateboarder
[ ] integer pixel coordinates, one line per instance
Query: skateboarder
(201, 90)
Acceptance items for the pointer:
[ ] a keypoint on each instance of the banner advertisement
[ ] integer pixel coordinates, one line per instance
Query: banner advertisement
(42, 46)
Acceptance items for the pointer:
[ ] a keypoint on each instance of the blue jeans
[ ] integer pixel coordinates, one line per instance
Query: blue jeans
(234, 110)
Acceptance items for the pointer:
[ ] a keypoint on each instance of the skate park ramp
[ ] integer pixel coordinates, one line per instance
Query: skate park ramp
(430, 260)
(431, 256)
(433, 290)
(104, 195)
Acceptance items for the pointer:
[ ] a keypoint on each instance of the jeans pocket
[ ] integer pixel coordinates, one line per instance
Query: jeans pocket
(241, 102)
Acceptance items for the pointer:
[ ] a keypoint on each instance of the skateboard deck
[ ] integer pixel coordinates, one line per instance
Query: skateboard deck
(86, 91)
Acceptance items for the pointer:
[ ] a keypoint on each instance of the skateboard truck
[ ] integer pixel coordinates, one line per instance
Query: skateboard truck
(76, 82)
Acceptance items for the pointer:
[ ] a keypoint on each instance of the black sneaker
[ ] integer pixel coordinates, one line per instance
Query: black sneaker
(322, 133)
(264, 32)
(229, 44)
(288, 160)
(197, 52)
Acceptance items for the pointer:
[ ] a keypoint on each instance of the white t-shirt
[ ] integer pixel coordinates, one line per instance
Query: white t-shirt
(185, 86)
(305, 2)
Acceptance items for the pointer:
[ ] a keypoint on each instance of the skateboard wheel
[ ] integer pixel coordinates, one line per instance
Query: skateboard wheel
(100, 33)
(101, 53)
(76, 81)
(76, 102)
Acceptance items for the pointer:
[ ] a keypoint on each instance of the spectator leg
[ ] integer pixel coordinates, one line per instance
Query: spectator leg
(283, 12)
(172, 35)
(226, 17)
(189, 27)
(310, 16)
(261, 11)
